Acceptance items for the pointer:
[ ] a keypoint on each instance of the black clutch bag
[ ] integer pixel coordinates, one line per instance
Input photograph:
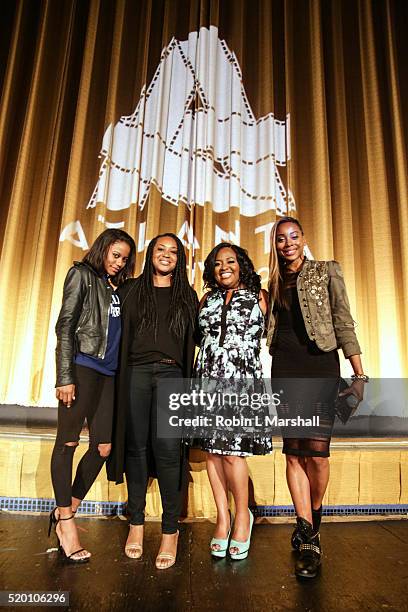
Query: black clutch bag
(345, 405)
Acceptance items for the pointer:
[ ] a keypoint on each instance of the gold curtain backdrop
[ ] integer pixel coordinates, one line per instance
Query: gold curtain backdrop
(209, 119)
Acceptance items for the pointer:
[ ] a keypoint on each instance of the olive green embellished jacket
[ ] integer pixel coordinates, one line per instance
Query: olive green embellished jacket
(325, 308)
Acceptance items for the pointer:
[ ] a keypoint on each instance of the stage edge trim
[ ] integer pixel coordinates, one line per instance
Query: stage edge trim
(26, 504)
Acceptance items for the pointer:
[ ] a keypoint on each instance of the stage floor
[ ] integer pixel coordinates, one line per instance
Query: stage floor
(364, 568)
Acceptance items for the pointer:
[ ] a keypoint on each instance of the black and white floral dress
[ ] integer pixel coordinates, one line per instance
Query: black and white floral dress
(230, 349)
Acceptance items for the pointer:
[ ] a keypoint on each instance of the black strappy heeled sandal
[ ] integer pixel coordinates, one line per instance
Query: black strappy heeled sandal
(54, 520)
(67, 558)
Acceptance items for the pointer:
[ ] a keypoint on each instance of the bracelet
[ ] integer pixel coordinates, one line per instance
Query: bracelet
(362, 377)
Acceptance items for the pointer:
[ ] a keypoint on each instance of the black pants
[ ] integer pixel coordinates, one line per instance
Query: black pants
(142, 438)
(94, 394)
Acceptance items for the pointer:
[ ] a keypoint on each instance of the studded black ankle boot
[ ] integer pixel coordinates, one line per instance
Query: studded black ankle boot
(309, 559)
(297, 538)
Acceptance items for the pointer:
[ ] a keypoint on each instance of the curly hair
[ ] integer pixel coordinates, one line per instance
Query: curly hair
(247, 274)
(183, 300)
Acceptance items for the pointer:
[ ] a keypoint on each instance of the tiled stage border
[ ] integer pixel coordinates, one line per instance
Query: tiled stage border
(26, 504)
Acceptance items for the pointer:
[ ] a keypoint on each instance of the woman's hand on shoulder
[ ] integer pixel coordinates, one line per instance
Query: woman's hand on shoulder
(66, 394)
(264, 301)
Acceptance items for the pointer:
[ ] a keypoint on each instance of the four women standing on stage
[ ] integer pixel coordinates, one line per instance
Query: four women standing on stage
(309, 319)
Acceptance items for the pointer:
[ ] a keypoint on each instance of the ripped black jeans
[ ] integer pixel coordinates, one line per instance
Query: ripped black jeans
(94, 396)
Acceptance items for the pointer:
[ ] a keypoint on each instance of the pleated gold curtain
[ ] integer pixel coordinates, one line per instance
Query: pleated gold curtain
(331, 74)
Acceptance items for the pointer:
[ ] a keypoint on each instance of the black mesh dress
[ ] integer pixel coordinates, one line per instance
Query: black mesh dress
(306, 377)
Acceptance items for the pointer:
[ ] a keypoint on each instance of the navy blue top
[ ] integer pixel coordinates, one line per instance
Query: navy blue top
(108, 365)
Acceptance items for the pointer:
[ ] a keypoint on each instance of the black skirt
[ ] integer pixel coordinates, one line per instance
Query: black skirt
(306, 379)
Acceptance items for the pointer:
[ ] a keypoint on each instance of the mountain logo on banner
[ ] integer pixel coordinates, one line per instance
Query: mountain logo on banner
(194, 136)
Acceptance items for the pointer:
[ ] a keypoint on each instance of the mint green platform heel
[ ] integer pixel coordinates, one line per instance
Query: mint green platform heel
(222, 543)
(243, 547)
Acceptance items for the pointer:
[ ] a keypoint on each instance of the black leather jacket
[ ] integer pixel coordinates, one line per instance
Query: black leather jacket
(82, 324)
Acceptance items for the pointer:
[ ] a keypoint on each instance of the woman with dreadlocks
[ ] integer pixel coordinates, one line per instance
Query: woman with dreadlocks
(159, 310)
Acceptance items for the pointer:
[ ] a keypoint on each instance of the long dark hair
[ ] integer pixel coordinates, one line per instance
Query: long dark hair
(277, 265)
(183, 301)
(247, 274)
(99, 250)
